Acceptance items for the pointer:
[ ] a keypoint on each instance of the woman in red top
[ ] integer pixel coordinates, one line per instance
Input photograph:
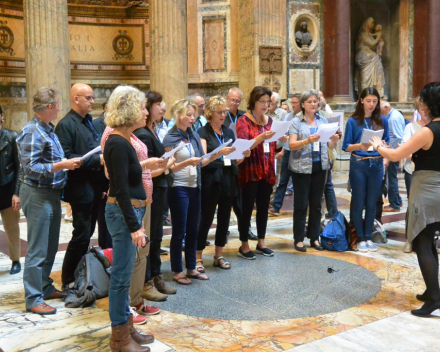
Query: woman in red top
(257, 173)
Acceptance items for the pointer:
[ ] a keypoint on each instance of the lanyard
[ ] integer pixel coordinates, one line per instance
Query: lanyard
(366, 125)
(265, 154)
(256, 120)
(158, 130)
(221, 140)
(310, 125)
(189, 140)
(236, 117)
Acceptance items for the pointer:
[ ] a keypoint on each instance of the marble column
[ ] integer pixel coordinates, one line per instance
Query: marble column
(342, 50)
(168, 48)
(47, 50)
(433, 42)
(262, 23)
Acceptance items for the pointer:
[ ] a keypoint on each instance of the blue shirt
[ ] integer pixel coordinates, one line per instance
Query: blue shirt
(38, 149)
(396, 123)
(353, 134)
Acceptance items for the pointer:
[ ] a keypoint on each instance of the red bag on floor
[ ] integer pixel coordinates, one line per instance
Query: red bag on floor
(109, 254)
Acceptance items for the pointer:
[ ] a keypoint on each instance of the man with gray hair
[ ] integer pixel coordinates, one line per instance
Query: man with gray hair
(396, 125)
(44, 176)
(200, 120)
(233, 101)
(275, 111)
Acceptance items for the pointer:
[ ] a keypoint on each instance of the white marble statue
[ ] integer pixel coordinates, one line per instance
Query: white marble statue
(369, 68)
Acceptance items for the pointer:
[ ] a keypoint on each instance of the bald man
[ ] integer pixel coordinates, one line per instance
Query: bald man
(396, 125)
(83, 190)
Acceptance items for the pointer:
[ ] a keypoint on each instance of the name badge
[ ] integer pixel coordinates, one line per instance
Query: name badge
(370, 149)
(266, 148)
(316, 146)
(227, 162)
(193, 170)
(167, 172)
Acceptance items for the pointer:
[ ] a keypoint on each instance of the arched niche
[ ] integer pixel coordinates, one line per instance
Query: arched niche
(312, 27)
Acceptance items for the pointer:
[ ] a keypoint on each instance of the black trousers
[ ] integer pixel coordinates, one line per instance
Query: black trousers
(156, 233)
(255, 192)
(308, 192)
(210, 199)
(84, 222)
(424, 246)
(104, 237)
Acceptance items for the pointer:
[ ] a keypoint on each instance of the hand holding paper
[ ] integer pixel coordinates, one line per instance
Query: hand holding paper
(216, 150)
(174, 151)
(326, 131)
(280, 128)
(93, 151)
(241, 146)
(367, 135)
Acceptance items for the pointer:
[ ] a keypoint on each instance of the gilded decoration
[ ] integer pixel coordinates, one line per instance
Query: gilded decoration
(123, 46)
(6, 39)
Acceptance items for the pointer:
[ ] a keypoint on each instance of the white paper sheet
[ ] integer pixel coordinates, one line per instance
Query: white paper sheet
(367, 135)
(233, 127)
(334, 119)
(280, 128)
(175, 150)
(216, 150)
(93, 151)
(241, 145)
(327, 130)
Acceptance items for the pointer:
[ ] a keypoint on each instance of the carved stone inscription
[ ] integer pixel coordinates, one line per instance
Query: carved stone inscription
(271, 59)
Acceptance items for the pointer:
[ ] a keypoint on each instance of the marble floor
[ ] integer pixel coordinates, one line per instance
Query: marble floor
(381, 323)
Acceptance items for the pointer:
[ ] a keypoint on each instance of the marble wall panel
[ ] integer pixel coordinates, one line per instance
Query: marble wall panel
(304, 79)
(214, 33)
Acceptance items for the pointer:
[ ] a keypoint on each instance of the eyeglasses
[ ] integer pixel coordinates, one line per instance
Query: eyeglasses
(201, 106)
(87, 97)
(222, 112)
(264, 102)
(237, 102)
(295, 102)
(312, 102)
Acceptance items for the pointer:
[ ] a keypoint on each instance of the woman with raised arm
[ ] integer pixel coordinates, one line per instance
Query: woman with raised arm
(424, 198)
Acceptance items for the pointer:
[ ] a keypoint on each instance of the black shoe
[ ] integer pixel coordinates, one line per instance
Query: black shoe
(15, 268)
(166, 222)
(300, 249)
(251, 236)
(264, 251)
(248, 255)
(164, 252)
(316, 246)
(426, 309)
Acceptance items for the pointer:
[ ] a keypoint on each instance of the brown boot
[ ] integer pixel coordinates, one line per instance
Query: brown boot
(121, 340)
(141, 339)
(152, 294)
(162, 287)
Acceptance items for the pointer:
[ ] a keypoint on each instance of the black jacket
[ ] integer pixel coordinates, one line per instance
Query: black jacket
(100, 126)
(10, 170)
(77, 139)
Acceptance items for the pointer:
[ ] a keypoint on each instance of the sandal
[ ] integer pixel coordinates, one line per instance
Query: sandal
(182, 280)
(225, 265)
(198, 276)
(200, 268)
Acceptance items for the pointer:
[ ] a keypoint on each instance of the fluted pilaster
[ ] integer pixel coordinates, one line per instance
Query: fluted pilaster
(47, 49)
(168, 45)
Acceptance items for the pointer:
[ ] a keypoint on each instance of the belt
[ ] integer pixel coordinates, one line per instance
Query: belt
(137, 203)
(367, 157)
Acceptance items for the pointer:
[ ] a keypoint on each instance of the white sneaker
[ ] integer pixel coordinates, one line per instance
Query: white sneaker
(362, 246)
(371, 247)
(407, 248)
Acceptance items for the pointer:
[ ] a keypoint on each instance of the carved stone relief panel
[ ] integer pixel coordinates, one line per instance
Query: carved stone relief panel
(214, 44)
(271, 59)
(11, 38)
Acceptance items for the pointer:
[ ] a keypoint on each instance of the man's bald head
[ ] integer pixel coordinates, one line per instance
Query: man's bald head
(385, 107)
(82, 98)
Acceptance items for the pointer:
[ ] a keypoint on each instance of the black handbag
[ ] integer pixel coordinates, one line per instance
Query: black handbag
(170, 178)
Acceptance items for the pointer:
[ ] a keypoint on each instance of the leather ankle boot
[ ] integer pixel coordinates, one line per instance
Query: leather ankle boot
(141, 339)
(162, 287)
(121, 340)
(152, 294)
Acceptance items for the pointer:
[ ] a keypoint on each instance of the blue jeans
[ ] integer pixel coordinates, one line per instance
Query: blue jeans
(366, 185)
(185, 214)
(329, 194)
(42, 209)
(393, 185)
(124, 255)
(285, 175)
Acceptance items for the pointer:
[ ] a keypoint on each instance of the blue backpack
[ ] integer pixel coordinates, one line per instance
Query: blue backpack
(333, 237)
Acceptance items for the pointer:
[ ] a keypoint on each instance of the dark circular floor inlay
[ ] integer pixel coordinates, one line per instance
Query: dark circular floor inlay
(286, 286)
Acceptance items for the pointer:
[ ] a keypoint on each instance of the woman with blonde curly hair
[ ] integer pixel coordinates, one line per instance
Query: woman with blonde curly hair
(125, 210)
(219, 182)
(184, 194)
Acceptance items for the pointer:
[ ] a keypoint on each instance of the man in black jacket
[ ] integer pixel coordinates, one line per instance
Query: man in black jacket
(83, 190)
